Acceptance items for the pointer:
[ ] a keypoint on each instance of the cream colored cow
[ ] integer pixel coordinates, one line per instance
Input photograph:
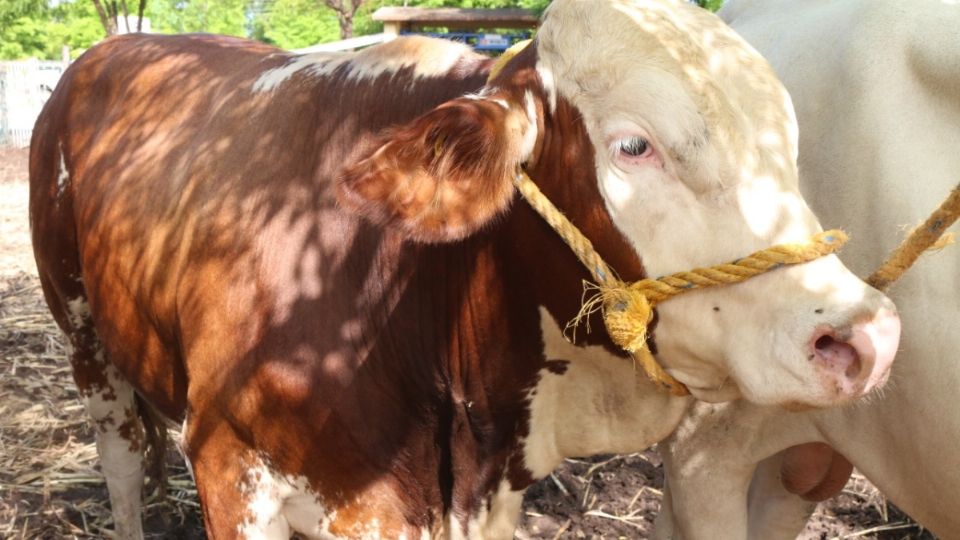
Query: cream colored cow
(876, 85)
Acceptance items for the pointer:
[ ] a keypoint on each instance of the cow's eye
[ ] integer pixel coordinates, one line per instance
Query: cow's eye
(634, 146)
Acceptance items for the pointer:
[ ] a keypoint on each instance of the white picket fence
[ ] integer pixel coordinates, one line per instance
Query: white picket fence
(24, 87)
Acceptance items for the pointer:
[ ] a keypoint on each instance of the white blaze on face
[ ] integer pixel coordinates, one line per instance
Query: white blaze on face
(425, 56)
(695, 146)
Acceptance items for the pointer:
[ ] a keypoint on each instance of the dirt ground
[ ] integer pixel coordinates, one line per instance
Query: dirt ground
(50, 486)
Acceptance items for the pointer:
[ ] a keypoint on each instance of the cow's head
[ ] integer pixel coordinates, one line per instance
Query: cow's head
(681, 142)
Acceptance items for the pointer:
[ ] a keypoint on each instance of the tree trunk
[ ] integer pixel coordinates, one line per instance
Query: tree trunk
(126, 17)
(108, 22)
(346, 25)
(140, 9)
(345, 10)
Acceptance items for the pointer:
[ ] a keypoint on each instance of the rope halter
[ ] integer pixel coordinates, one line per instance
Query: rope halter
(627, 308)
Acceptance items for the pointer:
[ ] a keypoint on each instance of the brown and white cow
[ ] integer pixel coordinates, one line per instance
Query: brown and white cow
(317, 263)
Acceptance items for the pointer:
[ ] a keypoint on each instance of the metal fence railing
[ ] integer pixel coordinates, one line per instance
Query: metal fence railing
(24, 87)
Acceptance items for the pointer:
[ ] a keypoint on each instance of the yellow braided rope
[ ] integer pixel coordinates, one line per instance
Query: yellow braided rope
(628, 307)
(924, 237)
(579, 244)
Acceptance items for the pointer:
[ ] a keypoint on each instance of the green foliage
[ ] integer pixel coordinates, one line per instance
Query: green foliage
(40, 28)
(364, 24)
(214, 16)
(712, 5)
(292, 24)
(538, 5)
(13, 10)
(33, 28)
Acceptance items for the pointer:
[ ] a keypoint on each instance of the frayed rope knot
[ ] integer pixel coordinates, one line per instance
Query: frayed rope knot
(626, 313)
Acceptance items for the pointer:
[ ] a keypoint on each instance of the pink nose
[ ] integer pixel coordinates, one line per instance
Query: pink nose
(857, 359)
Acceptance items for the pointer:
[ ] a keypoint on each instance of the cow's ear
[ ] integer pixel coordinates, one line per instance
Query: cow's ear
(445, 174)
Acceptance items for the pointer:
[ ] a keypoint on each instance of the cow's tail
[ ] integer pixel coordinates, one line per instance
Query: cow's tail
(155, 447)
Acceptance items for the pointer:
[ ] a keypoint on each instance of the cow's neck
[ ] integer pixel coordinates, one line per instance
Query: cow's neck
(504, 413)
(588, 398)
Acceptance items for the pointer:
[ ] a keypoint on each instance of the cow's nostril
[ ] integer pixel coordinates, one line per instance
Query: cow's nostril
(824, 342)
(838, 356)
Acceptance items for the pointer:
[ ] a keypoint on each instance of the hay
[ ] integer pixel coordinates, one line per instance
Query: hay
(50, 484)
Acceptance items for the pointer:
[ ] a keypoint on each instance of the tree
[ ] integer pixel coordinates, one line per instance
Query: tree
(293, 24)
(113, 10)
(140, 9)
(345, 10)
(712, 5)
(40, 29)
(214, 16)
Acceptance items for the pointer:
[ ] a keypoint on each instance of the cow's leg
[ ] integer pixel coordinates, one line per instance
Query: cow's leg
(774, 512)
(665, 526)
(709, 462)
(109, 400)
(239, 496)
(703, 500)
(107, 396)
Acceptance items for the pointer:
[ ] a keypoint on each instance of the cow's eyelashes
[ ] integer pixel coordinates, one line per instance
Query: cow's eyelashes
(634, 147)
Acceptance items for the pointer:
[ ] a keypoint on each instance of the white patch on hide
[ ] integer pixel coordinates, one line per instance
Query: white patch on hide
(600, 404)
(182, 447)
(120, 447)
(501, 521)
(496, 520)
(427, 57)
(531, 133)
(78, 311)
(63, 177)
(279, 504)
(549, 84)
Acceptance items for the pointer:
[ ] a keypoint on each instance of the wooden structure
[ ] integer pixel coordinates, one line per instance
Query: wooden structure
(25, 86)
(399, 20)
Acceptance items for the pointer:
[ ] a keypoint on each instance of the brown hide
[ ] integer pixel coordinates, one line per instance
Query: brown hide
(226, 282)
